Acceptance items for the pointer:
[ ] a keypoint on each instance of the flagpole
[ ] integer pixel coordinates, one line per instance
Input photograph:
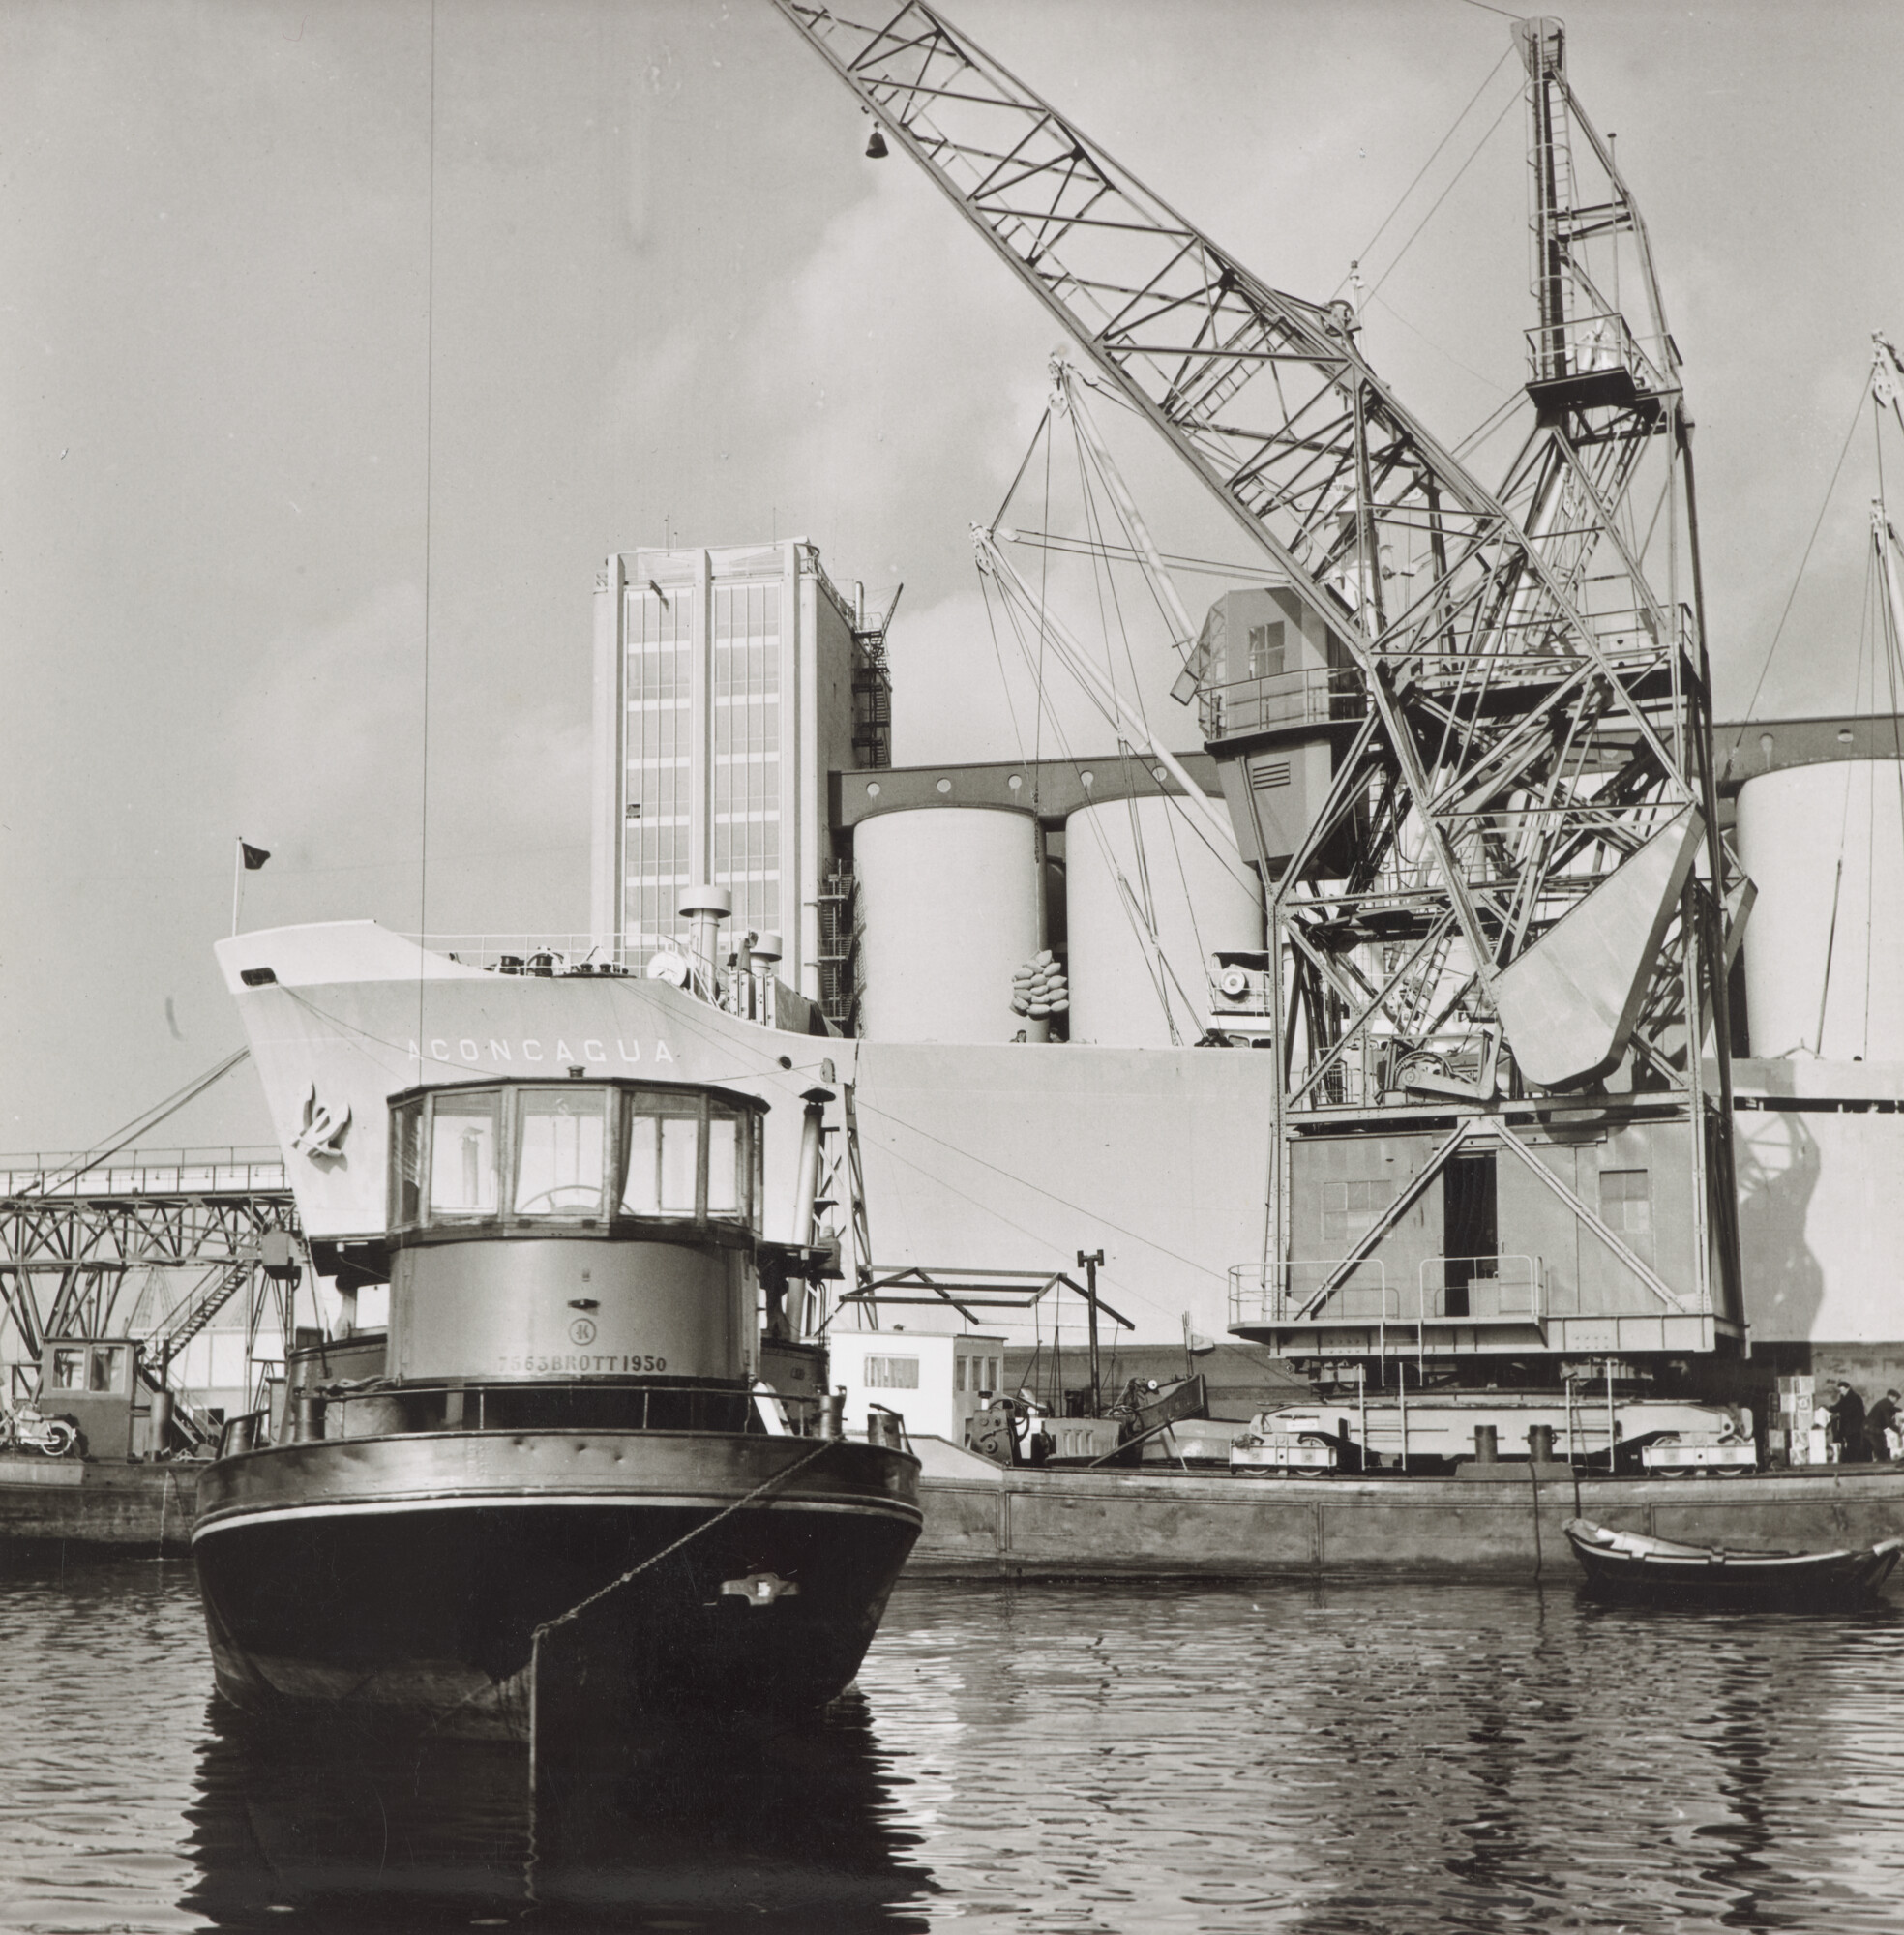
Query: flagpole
(237, 879)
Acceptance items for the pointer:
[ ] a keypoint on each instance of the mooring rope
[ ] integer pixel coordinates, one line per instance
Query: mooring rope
(635, 1572)
(580, 1606)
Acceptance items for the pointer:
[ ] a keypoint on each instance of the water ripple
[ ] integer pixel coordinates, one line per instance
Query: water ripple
(1137, 1760)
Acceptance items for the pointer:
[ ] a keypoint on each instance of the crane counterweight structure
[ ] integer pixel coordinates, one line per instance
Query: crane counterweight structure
(1463, 734)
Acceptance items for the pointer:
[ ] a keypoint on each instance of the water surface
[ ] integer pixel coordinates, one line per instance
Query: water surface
(1338, 1759)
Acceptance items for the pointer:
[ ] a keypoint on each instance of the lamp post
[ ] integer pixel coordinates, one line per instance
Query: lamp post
(1087, 1262)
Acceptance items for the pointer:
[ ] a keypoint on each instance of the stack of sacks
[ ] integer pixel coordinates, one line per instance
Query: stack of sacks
(1039, 988)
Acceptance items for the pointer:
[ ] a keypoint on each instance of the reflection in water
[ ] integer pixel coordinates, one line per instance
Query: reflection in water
(1230, 1760)
(1355, 1760)
(774, 1828)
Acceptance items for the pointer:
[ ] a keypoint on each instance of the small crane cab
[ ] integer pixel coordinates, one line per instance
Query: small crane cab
(93, 1383)
(578, 1252)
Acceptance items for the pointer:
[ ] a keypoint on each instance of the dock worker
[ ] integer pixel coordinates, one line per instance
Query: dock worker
(1882, 1428)
(1848, 1426)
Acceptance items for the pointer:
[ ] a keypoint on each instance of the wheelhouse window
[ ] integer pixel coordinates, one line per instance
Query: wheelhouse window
(727, 1176)
(406, 1165)
(464, 1145)
(664, 1143)
(541, 1155)
(562, 1144)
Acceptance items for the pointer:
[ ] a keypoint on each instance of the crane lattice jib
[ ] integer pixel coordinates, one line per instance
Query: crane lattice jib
(1507, 658)
(1450, 607)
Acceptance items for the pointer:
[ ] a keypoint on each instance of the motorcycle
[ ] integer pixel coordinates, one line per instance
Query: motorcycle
(25, 1428)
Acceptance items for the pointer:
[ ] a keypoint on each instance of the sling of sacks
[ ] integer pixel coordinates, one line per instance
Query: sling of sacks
(1039, 988)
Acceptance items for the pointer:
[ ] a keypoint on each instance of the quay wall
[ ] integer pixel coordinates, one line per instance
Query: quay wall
(983, 1522)
(1001, 1524)
(78, 1502)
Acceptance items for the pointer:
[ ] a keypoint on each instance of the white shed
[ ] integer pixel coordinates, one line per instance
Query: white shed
(934, 1381)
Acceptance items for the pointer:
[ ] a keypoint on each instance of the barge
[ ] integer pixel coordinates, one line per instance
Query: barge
(1504, 1521)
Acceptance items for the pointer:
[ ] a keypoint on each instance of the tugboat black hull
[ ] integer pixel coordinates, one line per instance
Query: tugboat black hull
(408, 1576)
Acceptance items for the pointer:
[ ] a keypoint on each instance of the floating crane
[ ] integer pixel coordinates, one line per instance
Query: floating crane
(1464, 737)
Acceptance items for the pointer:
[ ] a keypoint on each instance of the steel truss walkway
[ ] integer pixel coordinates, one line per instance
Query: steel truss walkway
(73, 1239)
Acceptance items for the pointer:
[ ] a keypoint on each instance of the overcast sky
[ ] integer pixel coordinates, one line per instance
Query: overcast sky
(274, 409)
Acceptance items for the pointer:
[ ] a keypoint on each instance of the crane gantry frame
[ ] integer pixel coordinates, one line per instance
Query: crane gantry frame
(1512, 898)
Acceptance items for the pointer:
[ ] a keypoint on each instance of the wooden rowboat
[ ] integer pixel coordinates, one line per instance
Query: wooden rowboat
(1631, 1565)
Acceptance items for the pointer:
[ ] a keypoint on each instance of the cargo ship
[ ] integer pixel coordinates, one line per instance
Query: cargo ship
(565, 1467)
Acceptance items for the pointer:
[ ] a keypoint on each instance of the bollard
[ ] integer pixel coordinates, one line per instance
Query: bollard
(1540, 1444)
(310, 1424)
(1487, 1445)
(832, 1414)
(240, 1436)
(883, 1428)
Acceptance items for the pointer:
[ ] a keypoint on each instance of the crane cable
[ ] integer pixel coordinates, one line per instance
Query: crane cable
(1453, 129)
(1147, 898)
(1879, 631)
(1893, 656)
(150, 1118)
(1226, 856)
(1798, 578)
(1137, 900)
(1844, 828)
(1094, 521)
(1144, 934)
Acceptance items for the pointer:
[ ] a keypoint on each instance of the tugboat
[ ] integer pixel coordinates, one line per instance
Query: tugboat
(568, 1441)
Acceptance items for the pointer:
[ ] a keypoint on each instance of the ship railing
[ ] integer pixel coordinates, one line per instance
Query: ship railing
(542, 955)
(787, 1413)
(382, 1410)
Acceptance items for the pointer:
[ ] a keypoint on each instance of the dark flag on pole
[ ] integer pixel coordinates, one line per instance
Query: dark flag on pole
(255, 856)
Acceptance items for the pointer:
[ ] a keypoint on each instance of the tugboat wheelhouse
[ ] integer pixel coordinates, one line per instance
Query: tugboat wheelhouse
(608, 1158)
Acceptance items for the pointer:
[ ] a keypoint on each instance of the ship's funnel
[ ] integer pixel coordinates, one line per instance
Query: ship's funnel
(704, 908)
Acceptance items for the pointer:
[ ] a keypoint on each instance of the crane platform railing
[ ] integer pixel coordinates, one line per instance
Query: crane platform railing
(1596, 349)
(1315, 695)
(229, 1170)
(1281, 1292)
